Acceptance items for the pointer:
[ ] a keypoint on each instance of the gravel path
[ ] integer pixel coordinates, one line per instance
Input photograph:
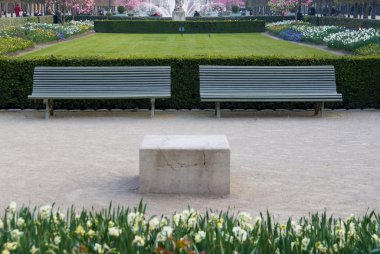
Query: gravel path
(287, 162)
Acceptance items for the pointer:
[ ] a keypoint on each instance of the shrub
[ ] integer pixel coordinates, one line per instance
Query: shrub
(23, 20)
(12, 44)
(263, 18)
(357, 79)
(164, 26)
(235, 8)
(125, 230)
(121, 9)
(371, 49)
(343, 22)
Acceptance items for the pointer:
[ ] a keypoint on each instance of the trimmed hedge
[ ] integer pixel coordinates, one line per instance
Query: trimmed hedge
(264, 18)
(357, 79)
(23, 20)
(164, 26)
(345, 22)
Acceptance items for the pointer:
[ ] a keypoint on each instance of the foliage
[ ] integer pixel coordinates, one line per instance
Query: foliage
(343, 22)
(235, 8)
(215, 7)
(126, 230)
(359, 89)
(12, 44)
(371, 49)
(121, 9)
(164, 26)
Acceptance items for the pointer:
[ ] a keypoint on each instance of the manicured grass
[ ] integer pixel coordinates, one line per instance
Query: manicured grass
(174, 45)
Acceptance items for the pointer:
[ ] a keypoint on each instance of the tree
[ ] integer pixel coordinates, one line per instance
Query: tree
(74, 6)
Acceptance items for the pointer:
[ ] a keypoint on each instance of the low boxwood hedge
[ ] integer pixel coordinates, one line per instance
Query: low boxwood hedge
(264, 18)
(166, 26)
(23, 20)
(357, 79)
(344, 22)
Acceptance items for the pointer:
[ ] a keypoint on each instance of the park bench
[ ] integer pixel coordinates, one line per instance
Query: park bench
(138, 82)
(268, 84)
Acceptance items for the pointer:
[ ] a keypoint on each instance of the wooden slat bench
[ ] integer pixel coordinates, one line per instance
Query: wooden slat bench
(268, 83)
(50, 83)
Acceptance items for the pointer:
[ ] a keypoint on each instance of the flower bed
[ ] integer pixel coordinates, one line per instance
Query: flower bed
(12, 44)
(333, 36)
(40, 32)
(120, 230)
(352, 39)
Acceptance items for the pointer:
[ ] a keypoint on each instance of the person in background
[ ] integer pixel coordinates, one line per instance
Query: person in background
(196, 14)
(250, 13)
(18, 10)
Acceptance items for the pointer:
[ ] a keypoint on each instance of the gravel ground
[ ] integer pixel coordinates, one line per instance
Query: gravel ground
(290, 163)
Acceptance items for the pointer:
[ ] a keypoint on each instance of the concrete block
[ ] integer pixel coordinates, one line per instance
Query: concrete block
(185, 164)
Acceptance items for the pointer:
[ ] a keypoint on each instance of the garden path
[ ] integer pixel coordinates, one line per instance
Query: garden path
(290, 163)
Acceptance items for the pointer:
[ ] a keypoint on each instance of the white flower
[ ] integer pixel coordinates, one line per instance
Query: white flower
(10, 245)
(163, 222)
(258, 220)
(153, 223)
(91, 233)
(114, 231)
(305, 243)
(12, 207)
(139, 240)
(376, 238)
(16, 234)
(34, 250)
(45, 211)
(199, 236)
(89, 223)
(192, 222)
(98, 248)
(164, 234)
(20, 222)
(244, 217)
(57, 240)
(240, 234)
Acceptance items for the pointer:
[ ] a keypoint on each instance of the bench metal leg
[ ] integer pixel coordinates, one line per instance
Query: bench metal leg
(152, 101)
(48, 108)
(217, 109)
(320, 109)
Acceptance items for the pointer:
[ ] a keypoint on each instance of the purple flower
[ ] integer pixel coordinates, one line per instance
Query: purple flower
(61, 36)
(291, 35)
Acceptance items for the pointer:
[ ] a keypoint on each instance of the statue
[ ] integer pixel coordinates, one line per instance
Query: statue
(178, 5)
(178, 12)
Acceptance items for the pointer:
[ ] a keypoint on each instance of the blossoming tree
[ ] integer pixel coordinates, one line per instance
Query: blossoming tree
(74, 6)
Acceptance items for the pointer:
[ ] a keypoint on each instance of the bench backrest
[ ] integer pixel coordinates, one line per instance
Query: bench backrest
(244, 80)
(102, 82)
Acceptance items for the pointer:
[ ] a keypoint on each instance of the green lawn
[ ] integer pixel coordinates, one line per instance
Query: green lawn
(161, 45)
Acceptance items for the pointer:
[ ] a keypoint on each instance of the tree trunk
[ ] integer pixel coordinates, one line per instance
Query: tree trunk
(373, 9)
(365, 10)
(356, 10)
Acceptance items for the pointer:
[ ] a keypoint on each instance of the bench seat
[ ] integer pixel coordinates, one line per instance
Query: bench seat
(114, 82)
(268, 84)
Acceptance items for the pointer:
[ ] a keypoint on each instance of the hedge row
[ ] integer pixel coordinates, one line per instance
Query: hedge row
(264, 18)
(23, 20)
(165, 26)
(357, 79)
(345, 22)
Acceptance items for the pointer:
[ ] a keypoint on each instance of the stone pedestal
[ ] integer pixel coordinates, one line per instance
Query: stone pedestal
(179, 15)
(191, 164)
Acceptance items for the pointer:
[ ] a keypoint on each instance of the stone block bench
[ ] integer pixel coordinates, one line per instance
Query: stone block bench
(185, 164)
